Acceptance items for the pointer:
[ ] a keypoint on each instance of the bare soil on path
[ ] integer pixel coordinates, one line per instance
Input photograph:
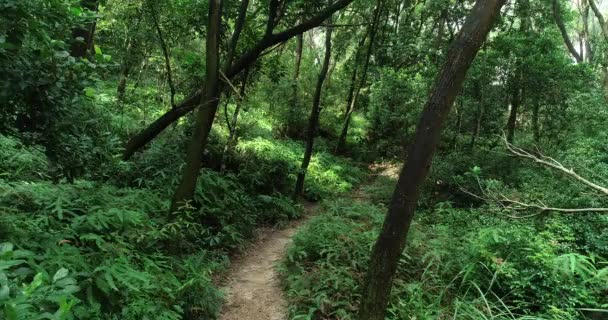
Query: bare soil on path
(253, 290)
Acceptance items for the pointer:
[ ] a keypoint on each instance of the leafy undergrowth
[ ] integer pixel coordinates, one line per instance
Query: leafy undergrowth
(459, 264)
(107, 248)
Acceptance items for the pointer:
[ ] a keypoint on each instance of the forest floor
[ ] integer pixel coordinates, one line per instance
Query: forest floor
(253, 289)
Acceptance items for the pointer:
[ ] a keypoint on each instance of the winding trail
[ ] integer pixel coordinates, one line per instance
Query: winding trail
(253, 290)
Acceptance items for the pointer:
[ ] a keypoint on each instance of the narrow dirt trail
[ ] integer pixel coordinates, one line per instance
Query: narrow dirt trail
(253, 290)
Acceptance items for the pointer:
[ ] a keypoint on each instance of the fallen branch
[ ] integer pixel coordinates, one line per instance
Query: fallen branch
(509, 204)
(552, 163)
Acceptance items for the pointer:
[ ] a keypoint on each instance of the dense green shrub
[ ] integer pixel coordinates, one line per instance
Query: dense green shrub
(462, 263)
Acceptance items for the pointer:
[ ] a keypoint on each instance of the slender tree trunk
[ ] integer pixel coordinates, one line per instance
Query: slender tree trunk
(313, 121)
(206, 113)
(231, 141)
(535, 124)
(292, 130)
(480, 112)
(585, 17)
(163, 46)
(515, 103)
(83, 35)
(122, 83)
(350, 97)
(341, 145)
(391, 242)
(517, 81)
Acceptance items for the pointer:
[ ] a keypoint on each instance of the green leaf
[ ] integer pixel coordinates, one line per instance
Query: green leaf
(6, 247)
(4, 292)
(10, 263)
(90, 92)
(60, 274)
(62, 54)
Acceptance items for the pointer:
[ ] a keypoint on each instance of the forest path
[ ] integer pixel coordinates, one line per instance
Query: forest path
(253, 290)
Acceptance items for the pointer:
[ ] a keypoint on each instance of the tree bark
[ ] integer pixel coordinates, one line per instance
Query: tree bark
(81, 48)
(562, 29)
(313, 121)
(391, 242)
(206, 113)
(341, 145)
(190, 103)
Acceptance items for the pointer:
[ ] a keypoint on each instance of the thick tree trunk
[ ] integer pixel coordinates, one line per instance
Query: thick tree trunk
(249, 57)
(391, 242)
(292, 130)
(206, 113)
(313, 121)
(341, 145)
(83, 35)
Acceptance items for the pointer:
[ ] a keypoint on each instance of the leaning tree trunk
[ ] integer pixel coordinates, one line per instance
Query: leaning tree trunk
(557, 16)
(206, 113)
(313, 121)
(391, 242)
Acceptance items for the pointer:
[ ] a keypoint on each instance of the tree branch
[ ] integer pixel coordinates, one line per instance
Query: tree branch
(552, 163)
(244, 61)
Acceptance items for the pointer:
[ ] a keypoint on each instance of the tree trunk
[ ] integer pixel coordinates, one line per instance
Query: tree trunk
(163, 46)
(349, 99)
(515, 103)
(249, 57)
(231, 141)
(391, 242)
(562, 29)
(585, 17)
(535, 124)
(83, 35)
(313, 121)
(341, 145)
(206, 113)
(292, 130)
(480, 112)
